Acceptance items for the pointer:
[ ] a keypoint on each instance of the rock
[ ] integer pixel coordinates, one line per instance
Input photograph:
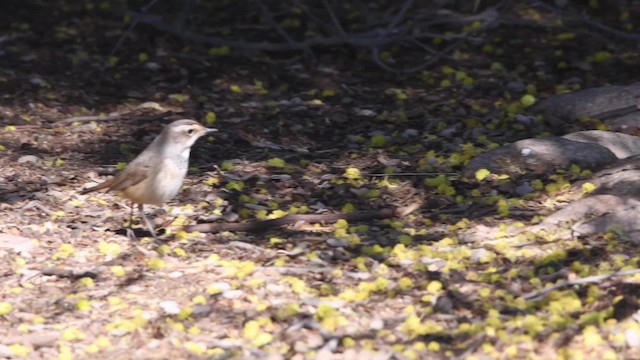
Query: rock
(30, 159)
(604, 103)
(632, 337)
(516, 86)
(443, 305)
(524, 189)
(622, 145)
(526, 120)
(595, 102)
(410, 133)
(201, 310)
(366, 113)
(481, 255)
(540, 156)
(628, 123)
(615, 203)
(376, 323)
(16, 243)
(153, 66)
(169, 307)
(232, 294)
(337, 243)
(572, 81)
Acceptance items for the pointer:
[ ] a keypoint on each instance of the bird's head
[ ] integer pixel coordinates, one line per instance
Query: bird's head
(184, 133)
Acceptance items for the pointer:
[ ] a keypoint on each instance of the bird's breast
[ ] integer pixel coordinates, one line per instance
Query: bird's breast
(161, 185)
(170, 178)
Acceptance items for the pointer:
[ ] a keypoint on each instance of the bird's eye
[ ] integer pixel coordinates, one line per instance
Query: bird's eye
(190, 131)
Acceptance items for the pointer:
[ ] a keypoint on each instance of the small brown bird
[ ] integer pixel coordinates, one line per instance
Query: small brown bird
(157, 174)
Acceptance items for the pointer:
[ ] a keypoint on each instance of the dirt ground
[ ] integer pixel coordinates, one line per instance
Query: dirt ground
(324, 133)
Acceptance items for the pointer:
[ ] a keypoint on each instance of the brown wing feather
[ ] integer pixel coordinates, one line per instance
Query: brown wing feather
(129, 177)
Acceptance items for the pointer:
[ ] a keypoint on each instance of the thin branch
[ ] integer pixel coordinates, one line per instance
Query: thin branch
(311, 15)
(580, 281)
(398, 18)
(161, 25)
(334, 19)
(615, 32)
(120, 43)
(274, 24)
(410, 174)
(184, 13)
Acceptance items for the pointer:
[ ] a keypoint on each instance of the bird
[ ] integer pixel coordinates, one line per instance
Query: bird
(157, 173)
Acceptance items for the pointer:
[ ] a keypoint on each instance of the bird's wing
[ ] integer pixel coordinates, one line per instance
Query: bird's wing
(128, 177)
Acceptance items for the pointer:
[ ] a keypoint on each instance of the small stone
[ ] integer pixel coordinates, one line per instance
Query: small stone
(573, 80)
(201, 310)
(443, 305)
(366, 113)
(30, 159)
(632, 337)
(222, 286)
(526, 120)
(410, 133)
(337, 243)
(516, 86)
(376, 323)
(169, 307)
(152, 66)
(480, 255)
(232, 294)
(275, 288)
(296, 101)
(299, 109)
(524, 189)
(150, 105)
(38, 81)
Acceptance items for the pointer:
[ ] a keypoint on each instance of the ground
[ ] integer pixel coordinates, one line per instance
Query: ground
(327, 132)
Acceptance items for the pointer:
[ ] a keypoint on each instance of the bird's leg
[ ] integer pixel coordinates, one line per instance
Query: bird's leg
(130, 233)
(148, 223)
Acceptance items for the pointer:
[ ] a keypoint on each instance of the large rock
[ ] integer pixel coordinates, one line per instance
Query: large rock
(616, 106)
(615, 204)
(622, 145)
(540, 156)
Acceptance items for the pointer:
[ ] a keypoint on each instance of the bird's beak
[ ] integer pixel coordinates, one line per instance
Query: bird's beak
(210, 130)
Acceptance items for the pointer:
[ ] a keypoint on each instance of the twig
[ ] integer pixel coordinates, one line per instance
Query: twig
(615, 32)
(263, 225)
(74, 119)
(334, 19)
(312, 15)
(398, 18)
(70, 273)
(269, 16)
(580, 281)
(115, 116)
(298, 270)
(184, 13)
(119, 44)
(410, 174)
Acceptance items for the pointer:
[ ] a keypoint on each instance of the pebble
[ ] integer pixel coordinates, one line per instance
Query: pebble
(366, 112)
(632, 337)
(516, 86)
(480, 255)
(169, 307)
(201, 310)
(30, 159)
(524, 189)
(337, 243)
(232, 294)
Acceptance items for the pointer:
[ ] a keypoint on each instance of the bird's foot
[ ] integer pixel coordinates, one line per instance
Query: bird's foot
(131, 234)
